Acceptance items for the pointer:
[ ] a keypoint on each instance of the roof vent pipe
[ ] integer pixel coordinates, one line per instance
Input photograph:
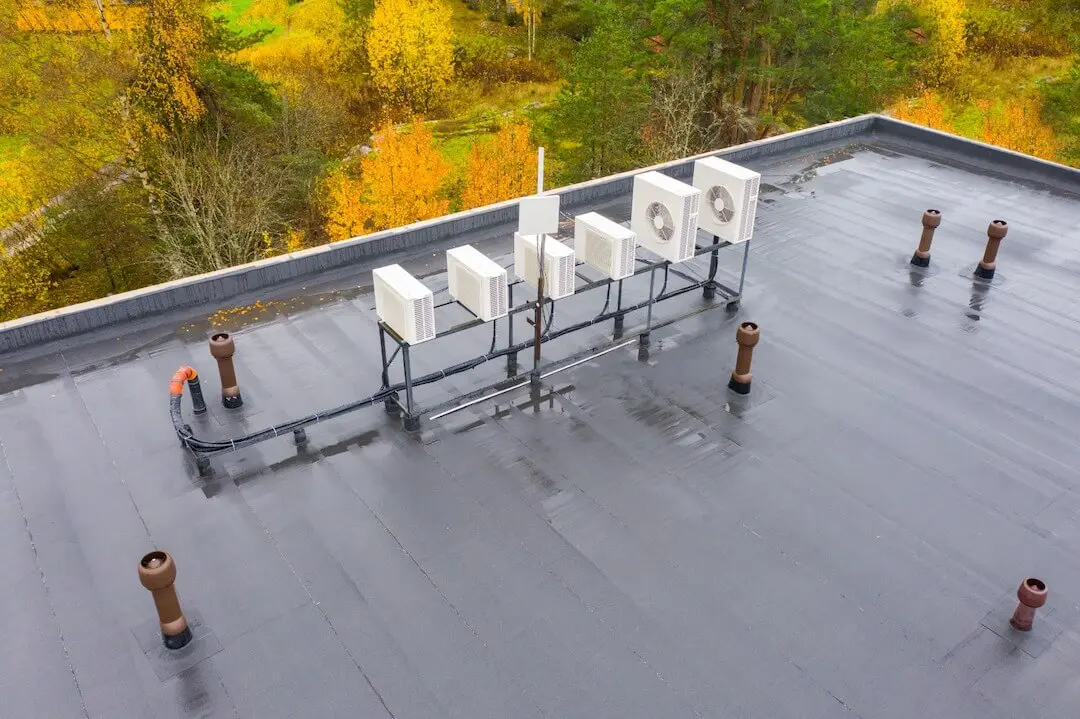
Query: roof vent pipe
(222, 348)
(994, 235)
(1032, 595)
(747, 336)
(157, 572)
(931, 220)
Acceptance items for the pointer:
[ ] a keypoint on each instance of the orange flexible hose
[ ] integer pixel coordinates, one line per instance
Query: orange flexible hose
(184, 374)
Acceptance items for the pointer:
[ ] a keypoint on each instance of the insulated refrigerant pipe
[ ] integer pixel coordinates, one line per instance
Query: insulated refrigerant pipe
(202, 446)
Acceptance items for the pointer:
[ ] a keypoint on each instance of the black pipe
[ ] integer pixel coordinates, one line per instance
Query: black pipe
(200, 446)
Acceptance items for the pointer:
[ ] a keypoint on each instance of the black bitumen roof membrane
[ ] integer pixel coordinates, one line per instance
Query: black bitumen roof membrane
(638, 541)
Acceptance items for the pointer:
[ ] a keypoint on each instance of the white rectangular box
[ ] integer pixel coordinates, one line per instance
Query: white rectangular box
(477, 282)
(559, 280)
(538, 215)
(664, 215)
(404, 304)
(729, 198)
(605, 245)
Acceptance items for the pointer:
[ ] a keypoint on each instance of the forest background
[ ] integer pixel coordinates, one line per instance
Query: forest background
(148, 140)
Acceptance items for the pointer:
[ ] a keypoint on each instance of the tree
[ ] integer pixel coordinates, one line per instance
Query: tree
(946, 25)
(600, 111)
(1017, 125)
(400, 182)
(927, 110)
(501, 169)
(163, 93)
(1062, 109)
(410, 52)
(24, 283)
(220, 196)
(530, 12)
(682, 121)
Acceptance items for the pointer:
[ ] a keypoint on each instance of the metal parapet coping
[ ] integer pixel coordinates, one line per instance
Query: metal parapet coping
(215, 287)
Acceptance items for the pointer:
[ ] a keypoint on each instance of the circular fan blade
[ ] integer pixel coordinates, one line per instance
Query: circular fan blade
(721, 203)
(661, 220)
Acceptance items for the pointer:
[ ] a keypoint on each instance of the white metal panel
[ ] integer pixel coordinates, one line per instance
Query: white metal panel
(730, 198)
(664, 215)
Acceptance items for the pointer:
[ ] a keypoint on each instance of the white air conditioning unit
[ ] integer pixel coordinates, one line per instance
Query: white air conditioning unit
(605, 245)
(729, 195)
(477, 282)
(664, 215)
(558, 264)
(404, 304)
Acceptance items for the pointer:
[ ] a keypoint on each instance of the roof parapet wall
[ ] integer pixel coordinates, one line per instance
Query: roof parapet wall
(215, 287)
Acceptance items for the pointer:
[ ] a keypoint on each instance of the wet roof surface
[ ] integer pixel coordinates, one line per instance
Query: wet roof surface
(846, 541)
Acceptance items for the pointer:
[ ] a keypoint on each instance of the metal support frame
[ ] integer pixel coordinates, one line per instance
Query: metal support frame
(389, 394)
(515, 380)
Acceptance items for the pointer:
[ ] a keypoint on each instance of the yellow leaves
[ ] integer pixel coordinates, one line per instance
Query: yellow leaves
(310, 39)
(170, 44)
(400, 182)
(346, 215)
(1017, 125)
(24, 282)
(947, 27)
(77, 17)
(927, 110)
(500, 169)
(410, 52)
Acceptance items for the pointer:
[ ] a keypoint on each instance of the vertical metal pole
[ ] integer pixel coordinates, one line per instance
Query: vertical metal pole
(643, 339)
(412, 422)
(390, 404)
(382, 349)
(511, 359)
(539, 170)
(742, 275)
(618, 317)
(538, 314)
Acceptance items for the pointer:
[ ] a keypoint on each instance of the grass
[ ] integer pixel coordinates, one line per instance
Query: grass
(10, 145)
(237, 13)
(1020, 76)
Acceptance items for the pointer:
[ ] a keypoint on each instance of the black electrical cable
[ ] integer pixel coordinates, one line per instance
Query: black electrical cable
(197, 445)
(607, 301)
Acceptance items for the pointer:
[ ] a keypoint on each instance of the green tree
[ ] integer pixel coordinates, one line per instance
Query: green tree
(773, 60)
(599, 113)
(1062, 110)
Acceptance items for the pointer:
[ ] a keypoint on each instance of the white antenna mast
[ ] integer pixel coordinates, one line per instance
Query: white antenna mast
(538, 315)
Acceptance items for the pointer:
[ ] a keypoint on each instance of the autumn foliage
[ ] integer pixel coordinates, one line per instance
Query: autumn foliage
(410, 52)
(163, 93)
(1016, 125)
(1013, 124)
(927, 110)
(400, 182)
(501, 168)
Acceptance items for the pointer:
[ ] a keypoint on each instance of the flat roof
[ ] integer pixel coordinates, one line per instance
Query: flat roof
(636, 542)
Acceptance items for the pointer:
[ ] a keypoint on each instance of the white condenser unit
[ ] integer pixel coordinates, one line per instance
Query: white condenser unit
(558, 264)
(730, 196)
(404, 304)
(664, 215)
(605, 245)
(477, 282)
